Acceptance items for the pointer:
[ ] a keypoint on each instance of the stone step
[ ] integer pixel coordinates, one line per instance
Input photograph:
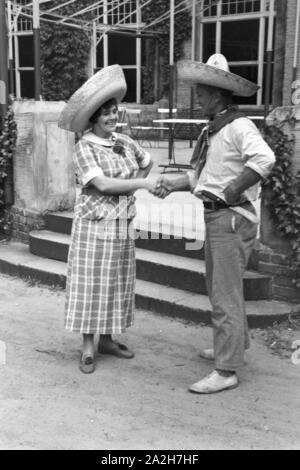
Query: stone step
(16, 260)
(161, 268)
(154, 240)
(157, 239)
(60, 222)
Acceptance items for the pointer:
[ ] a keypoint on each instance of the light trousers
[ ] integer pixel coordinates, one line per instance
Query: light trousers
(229, 241)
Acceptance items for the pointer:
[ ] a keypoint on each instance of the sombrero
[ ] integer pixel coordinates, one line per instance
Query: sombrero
(106, 84)
(215, 73)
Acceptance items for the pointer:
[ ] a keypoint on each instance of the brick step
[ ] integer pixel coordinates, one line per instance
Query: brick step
(16, 260)
(160, 241)
(61, 222)
(161, 268)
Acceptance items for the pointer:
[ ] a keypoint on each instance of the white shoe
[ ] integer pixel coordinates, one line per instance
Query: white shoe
(208, 354)
(214, 383)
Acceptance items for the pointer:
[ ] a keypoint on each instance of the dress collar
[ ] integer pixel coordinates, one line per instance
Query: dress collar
(94, 139)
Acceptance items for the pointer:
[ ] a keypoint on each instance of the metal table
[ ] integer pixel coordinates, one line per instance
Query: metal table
(172, 122)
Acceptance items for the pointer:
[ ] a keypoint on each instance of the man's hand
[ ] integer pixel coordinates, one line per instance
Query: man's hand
(163, 187)
(234, 190)
(232, 195)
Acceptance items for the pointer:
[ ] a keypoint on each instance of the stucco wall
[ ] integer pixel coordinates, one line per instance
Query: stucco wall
(44, 178)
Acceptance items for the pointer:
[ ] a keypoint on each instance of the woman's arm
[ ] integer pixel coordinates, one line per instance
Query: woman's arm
(117, 186)
(144, 172)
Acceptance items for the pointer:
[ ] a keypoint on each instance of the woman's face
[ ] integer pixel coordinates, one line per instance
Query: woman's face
(107, 121)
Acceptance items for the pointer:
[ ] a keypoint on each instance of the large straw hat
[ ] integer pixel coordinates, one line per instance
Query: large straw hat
(106, 84)
(215, 73)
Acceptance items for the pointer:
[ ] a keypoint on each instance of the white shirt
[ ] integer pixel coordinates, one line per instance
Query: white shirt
(236, 146)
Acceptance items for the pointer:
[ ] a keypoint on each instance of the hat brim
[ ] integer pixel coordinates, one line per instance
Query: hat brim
(203, 74)
(106, 84)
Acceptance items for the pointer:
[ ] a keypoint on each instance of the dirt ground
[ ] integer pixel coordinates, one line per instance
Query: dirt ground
(46, 403)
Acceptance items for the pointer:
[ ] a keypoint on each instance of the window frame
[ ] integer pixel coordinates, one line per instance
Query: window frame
(102, 40)
(263, 15)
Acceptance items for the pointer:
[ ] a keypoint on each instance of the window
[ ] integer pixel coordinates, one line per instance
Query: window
(118, 11)
(234, 7)
(125, 55)
(26, 51)
(122, 14)
(23, 50)
(238, 29)
(24, 23)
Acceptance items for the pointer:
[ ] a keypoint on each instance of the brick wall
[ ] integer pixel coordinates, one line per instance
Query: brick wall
(23, 222)
(277, 266)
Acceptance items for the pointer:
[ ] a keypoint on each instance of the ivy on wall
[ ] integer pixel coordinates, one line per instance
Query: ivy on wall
(8, 137)
(65, 50)
(285, 195)
(64, 55)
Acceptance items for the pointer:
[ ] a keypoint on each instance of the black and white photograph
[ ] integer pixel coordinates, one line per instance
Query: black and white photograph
(149, 228)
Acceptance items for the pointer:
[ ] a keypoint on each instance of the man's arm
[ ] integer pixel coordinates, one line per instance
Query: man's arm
(258, 156)
(166, 186)
(234, 190)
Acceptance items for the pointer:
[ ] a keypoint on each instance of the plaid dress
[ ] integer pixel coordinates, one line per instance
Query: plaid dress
(101, 264)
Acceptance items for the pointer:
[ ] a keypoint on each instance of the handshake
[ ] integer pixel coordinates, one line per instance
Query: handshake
(160, 187)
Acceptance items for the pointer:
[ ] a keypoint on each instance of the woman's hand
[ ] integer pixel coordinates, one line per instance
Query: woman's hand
(150, 183)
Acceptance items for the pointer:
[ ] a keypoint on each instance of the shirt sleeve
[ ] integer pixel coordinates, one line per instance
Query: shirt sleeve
(253, 148)
(86, 164)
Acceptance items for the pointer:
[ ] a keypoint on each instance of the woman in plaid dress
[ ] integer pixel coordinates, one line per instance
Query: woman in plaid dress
(101, 264)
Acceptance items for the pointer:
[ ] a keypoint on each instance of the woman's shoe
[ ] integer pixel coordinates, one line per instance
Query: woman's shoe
(116, 349)
(87, 364)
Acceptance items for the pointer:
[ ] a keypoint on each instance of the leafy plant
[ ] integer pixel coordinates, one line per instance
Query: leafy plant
(8, 137)
(285, 200)
(64, 55)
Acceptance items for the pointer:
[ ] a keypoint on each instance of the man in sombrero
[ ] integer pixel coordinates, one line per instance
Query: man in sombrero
(229, 162)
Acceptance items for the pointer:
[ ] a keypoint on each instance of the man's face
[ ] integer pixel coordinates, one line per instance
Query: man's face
(208, 99)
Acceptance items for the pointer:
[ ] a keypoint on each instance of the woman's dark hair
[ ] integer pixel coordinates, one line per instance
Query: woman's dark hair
(106, 105)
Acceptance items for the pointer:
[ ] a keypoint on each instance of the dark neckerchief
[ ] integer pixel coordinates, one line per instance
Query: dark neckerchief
(213, 127)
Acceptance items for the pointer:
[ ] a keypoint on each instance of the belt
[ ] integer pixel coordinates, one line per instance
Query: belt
(217, 205)
(240, 209)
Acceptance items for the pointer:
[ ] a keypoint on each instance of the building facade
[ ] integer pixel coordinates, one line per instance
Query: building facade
(108, 44)
(240, 29)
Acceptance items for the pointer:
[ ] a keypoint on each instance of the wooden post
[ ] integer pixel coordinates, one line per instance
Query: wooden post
(296, 46)
(171, 86)
(269, 57)
(156, 70)
(3, 62)
(8, 183)
(10, 48)
(192, 96)
(37, 50)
